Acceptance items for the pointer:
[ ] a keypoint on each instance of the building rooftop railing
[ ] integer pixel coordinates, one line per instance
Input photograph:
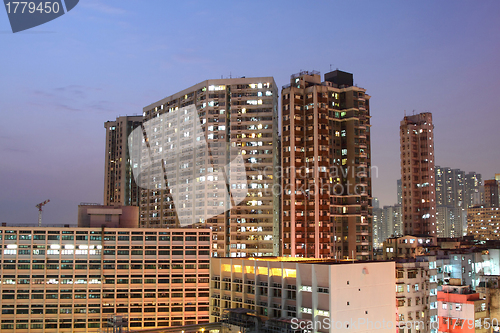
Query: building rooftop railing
(31, 225)
(293, 76)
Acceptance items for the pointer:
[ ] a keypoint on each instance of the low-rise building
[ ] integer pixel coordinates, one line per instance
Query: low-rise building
(320, 295)
(489, 287)
(74, 279)
(407, 246)
(462, 310)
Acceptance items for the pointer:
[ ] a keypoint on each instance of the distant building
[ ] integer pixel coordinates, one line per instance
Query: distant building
(462, 310)
(455, 192)
(326, 162)
(407, 246)
(388, 223)
(449, 221)
(483, 222)
(450, 186)
(97, 216)
(491, 198)
(119, 184)
(399, 192)
(308, 290)
(378, 227)
(75, 279)
(473, 193)
(417, 174)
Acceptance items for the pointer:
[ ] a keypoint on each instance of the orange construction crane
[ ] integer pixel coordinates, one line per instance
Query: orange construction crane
(39, 206)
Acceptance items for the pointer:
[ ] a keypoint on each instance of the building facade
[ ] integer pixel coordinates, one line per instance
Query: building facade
(416, 294)
(388, 223)
(74, 279)
(235, 120)
(98, 216)
(400, 191)
(340, 293)
(417, 174)
(456, 191)
(378, 231)
(483, 222)
(450, 187)
(449, 221)
(473, 192)
(326, 163)
(119, 184)
(491, 193)
(461, 310)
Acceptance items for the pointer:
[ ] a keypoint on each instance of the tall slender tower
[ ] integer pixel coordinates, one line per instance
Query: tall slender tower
(417, 175)
(119, 185)
(326, 181)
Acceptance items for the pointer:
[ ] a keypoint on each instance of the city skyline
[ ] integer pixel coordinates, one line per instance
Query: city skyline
(52, 136)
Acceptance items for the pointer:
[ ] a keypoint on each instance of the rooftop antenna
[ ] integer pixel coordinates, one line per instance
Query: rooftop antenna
(405, 113)
(330, 67)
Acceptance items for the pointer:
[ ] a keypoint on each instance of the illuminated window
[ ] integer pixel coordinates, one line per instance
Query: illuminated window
(262, 270)
(249, 269)
(290, 273)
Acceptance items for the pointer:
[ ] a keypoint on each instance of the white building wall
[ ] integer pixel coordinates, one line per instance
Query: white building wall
(330, 294)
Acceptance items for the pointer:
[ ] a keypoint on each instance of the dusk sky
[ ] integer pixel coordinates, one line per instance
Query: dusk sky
(61, 81)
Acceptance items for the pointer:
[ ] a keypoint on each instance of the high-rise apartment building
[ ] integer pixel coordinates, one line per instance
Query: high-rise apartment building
(387, 222)
(450, 187)
(119, 184)
(235, 119)
(417, 174)
(483, 222)
(451, 200)
(473, 192)
(326, 181)
(378, 229)
(455, 192)
(449, 221)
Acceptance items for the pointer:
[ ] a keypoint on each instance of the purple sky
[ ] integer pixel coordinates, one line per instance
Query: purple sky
(61, 81)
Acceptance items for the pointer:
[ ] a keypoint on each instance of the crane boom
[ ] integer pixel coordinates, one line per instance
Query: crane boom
(39, 206)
